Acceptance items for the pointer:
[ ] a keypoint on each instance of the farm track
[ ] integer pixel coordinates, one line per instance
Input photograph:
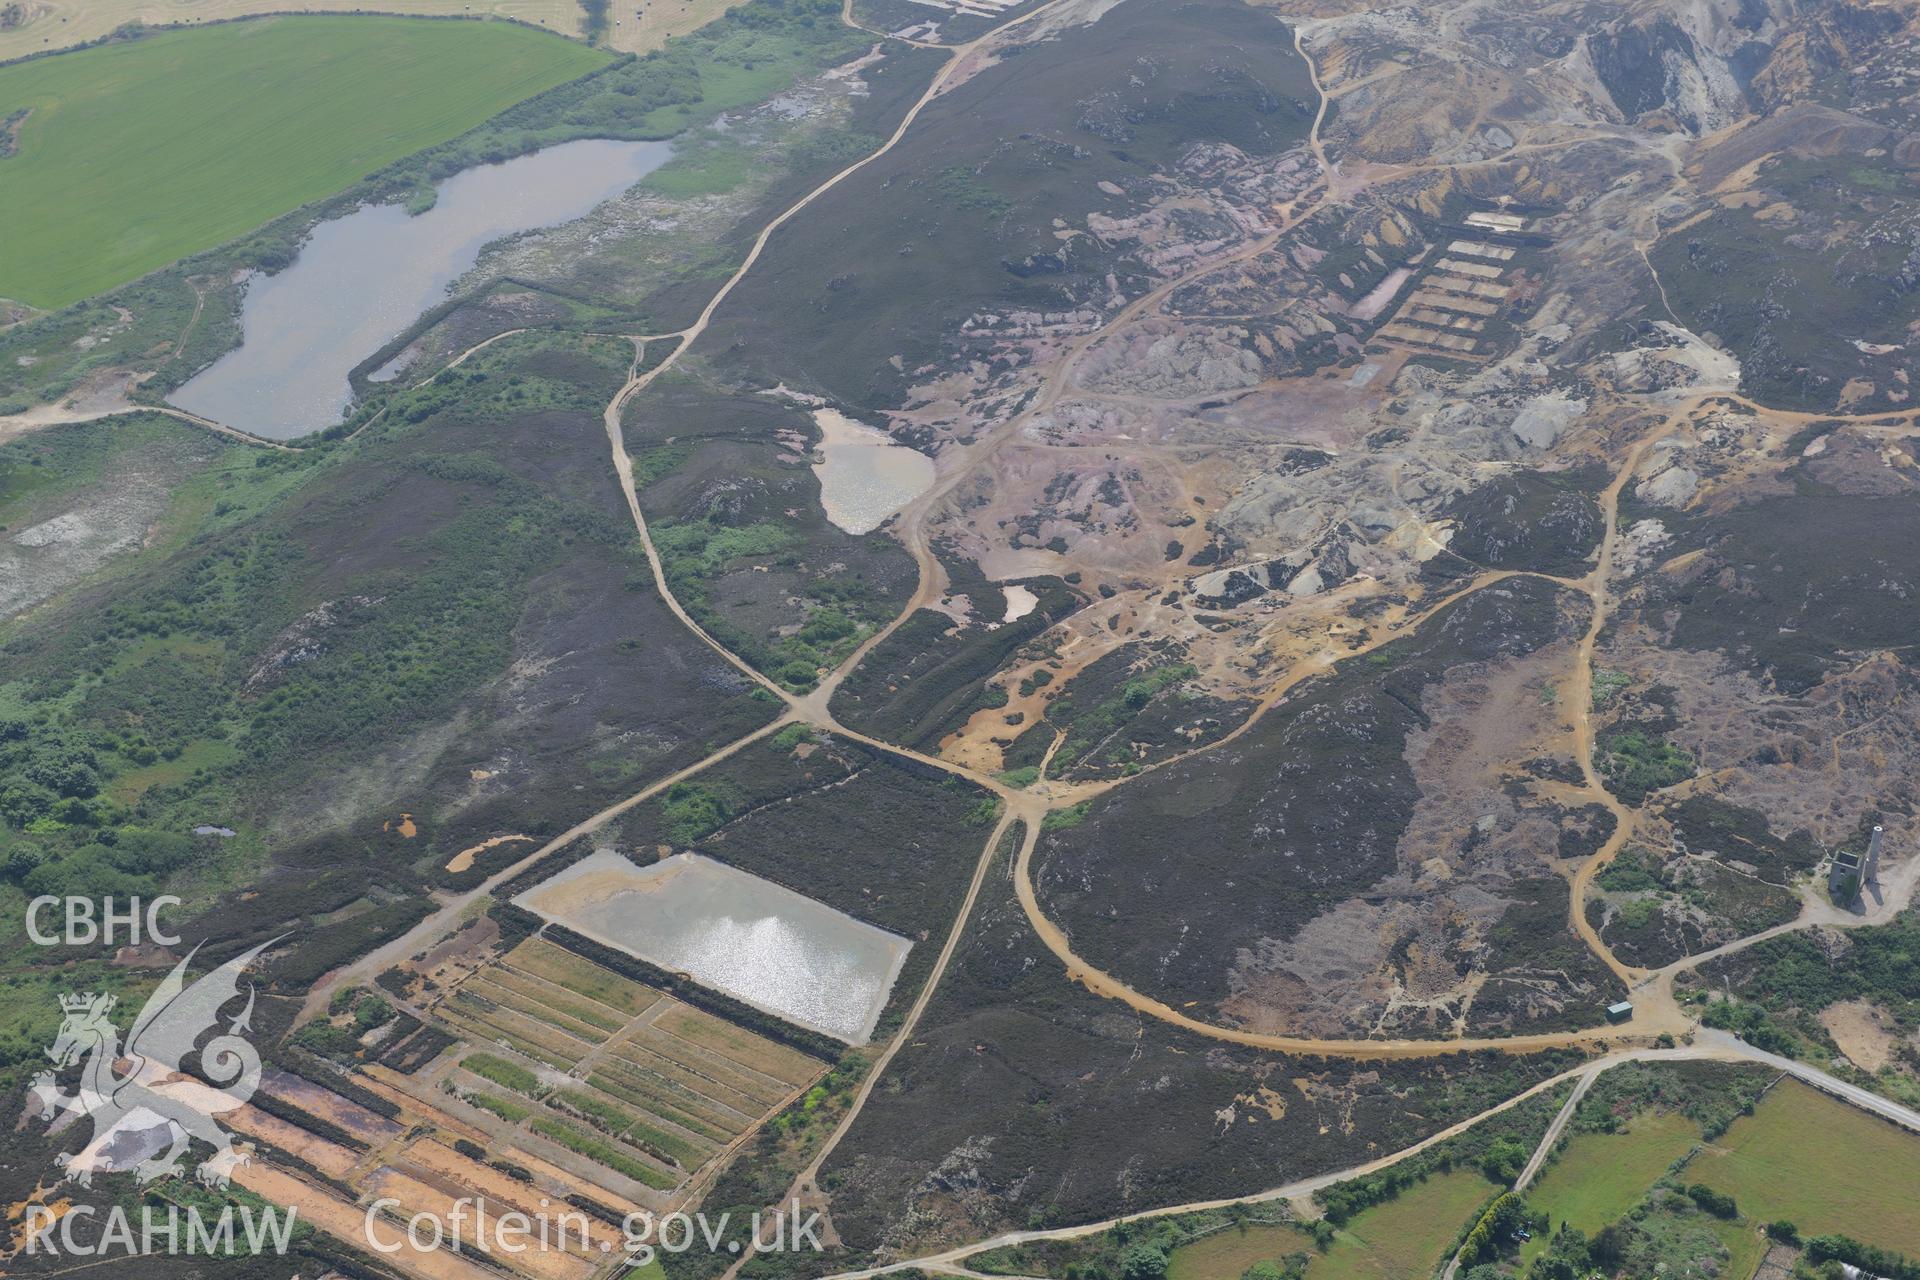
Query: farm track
(1554, 1130)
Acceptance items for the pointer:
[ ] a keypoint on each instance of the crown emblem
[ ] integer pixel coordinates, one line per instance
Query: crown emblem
(169, 1026)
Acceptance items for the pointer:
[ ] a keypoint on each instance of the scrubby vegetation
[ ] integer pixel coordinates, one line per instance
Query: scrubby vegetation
(1810, 970)
(699, 553)
(1127, 710)
(1730, 832)
(1051, 1096)
(1635, 762)
(1790, 301)
(1652, 911)
(1669, 1232)
(964, 206)
(1824, 1250)
(1778, 602)
(354, 601)
(1781, 987)
(763, 1170)
(879, 836)
(1547, 522)
(747, 547)
(1151, 1249)
(1712, 1095)
(1302, 816)
(1497, 1147)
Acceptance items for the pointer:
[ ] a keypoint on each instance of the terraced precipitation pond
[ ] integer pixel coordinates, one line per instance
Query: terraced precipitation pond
(738, 933)
(1071, 639)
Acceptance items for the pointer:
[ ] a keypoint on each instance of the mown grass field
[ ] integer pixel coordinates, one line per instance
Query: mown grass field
(1602, 1175)
(1820, 1164)
(133, 155)
(1406, 1238)
(1746, 1246)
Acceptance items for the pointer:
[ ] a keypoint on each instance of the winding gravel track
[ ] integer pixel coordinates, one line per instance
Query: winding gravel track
(1658, 1012)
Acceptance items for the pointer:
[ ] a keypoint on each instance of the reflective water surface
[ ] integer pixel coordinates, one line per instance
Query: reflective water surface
(732, 931)
(363, 278)
(866, 477)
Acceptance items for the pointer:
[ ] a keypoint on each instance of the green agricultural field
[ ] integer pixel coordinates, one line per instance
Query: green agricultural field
(133, 155)
(1746, 1246)
(1822, 1165)
(1602, 1175)
(1406, 1238)
(1227, 1253)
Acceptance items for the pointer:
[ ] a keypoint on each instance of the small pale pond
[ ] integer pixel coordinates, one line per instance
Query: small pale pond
(865, 477)
(753, 939)
(363, 278)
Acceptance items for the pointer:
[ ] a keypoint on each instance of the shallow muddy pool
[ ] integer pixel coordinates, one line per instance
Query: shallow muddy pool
(773, 948)
(363, 278)
(864, 476)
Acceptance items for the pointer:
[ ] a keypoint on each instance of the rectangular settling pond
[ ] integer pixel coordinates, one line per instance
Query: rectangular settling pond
(778, 950)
